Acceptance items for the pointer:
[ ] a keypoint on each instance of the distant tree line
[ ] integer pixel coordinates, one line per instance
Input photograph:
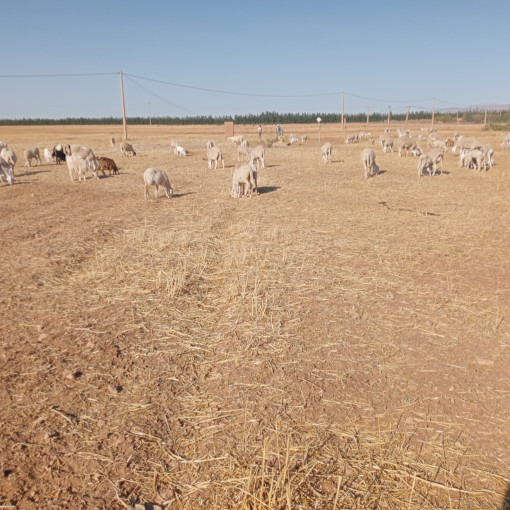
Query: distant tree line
(501, 118)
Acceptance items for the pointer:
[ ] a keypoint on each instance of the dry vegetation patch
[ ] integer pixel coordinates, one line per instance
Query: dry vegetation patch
(332, 342)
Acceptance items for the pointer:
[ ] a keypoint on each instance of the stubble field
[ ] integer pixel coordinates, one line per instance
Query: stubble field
(332, 342)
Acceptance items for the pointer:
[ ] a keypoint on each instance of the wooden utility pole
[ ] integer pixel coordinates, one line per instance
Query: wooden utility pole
(433, 112)
(343, 125)
(123, 107)
(389, 110)
(485, 120)
(368, 114)
(407, 115)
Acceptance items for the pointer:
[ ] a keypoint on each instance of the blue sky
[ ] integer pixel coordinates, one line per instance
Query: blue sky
(393, 53)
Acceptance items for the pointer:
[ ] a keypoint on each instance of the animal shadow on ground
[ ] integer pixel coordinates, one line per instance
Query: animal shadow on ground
(271, 166)
(506, 501)
(267, 189)
(179, 195)
(35, 172)
(381, 172)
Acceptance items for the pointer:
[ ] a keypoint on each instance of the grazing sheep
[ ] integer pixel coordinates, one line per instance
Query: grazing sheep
(59, 156)
(174, 144)
(214, 154)
(180, 151)
(437, 143)
(107, 165)
(6, 171)
(304, 138)
(386, 142)
(258, 154)
(236, 139)
(436, 155)
(489, 155)
(85, 152)
(157, 177)
(245, 179)
(352, 138)
(506, 142)
(293, 139)
(209, 144)
(327, 151)
(47, 155)
(425, 163)
(242, 150)
(30, 154)
(126, 149)
(473, 158)
(80, 166)
(465, 143)
(368, 160)
(408, 145)
(9, 156)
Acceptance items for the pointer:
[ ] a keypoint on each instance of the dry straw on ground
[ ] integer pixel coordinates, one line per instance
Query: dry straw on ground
(332, 342)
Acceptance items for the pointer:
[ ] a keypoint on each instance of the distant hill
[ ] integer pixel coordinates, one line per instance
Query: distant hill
(477, 108)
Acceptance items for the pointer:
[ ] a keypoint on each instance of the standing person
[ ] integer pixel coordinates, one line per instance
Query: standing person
(259, 131)
(279, 130)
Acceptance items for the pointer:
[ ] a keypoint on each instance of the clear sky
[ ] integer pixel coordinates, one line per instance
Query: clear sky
(384, 53)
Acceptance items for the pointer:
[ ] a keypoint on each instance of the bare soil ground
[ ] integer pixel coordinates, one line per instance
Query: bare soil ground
(332, 342)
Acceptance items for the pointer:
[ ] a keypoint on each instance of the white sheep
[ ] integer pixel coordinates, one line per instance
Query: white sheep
(242, 151)
(244, 181)
(209, 144)
(304, 138)
(214, 154)
(174, 144)
(425, 163)
(9, 156)
(368, 160)
(473, 158)
(180, 151)
(465, 143)
(126, 149)
(327, 151)
(236, 139)
(30, 154)
(489, 155)
(6, 171)
(47, 155)
(352, 138)
(437, 156)
(3, 145)
(80, 166)
(386, 143)
(257, 155)
(407, 144)
(506, 142)
(156, 177)
(85, 152)
(293, 139)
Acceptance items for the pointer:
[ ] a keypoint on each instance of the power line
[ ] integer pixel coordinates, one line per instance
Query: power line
(54, 75)
(159, 97)
(217, 91)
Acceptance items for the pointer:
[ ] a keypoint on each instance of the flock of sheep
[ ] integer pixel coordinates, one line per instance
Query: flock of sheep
(472, 154)
(81, 160)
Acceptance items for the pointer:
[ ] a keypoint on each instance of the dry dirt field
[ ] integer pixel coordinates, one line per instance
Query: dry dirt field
(330, 343)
